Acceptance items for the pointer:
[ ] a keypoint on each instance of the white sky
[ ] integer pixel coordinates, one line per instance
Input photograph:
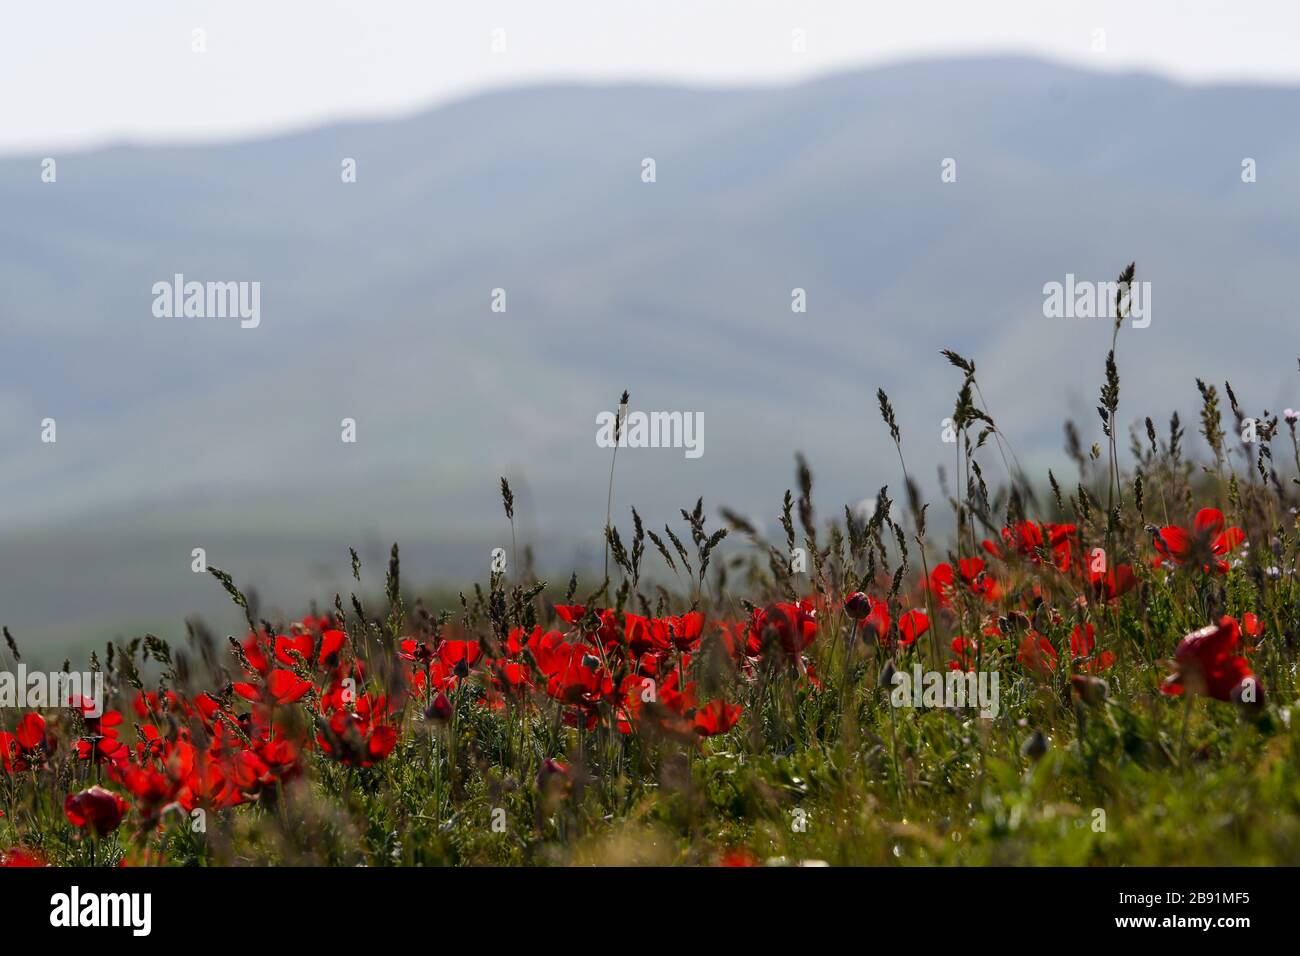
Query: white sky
(82, 72)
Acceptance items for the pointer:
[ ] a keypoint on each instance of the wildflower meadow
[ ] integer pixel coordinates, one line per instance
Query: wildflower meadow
(1089, 669)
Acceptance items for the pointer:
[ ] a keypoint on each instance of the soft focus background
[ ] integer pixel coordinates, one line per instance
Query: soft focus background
(522, 170)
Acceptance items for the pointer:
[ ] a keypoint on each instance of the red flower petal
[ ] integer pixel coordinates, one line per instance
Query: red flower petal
(912, 625)
(1208, 521)
(30, 731)
(286, 686)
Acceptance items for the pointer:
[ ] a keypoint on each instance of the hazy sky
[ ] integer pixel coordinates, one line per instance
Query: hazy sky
(78, 72)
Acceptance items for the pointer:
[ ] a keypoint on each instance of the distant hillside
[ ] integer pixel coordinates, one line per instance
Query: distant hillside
(174, 433)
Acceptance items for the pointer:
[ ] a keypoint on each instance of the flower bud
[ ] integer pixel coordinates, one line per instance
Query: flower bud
(887, 674)
(551, 769)
(96, 809)
(440, 709)
(1090, 690)
(858, 605)
(1035, 747)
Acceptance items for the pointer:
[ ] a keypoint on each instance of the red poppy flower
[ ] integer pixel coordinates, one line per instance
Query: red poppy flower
(551, 769)
(281, 687)
(460, 656)
(512, 677)
(716, 717)
(1082, 644)
(685, 631)
(149, 706)
(863, 607)
(27, 747)
(256, 649)
(356, 738)
(412, 650)
(100, 743)
(1089, 689)
(1082, 640)
(570, 613)
(911, 625)
(643, 635)
(548, 650)
(794, 624)
(286, 687)
(20, 858)
(331, 642)
(382, 741)
(739, 639)
(289, 649)
(941, 583)
(1205, 662)
(440, 709)
(1037, 654)
(30, 732)
(1110, 584)
(879, 618)
(152, 790)
(580, 679)
(1179, 544)
(96, 809)
(1029, 540)
(973, 576)
(738, 857)
(966, 651)
(857, 605)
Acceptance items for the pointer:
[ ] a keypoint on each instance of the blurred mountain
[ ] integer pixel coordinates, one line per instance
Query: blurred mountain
(176, 433)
